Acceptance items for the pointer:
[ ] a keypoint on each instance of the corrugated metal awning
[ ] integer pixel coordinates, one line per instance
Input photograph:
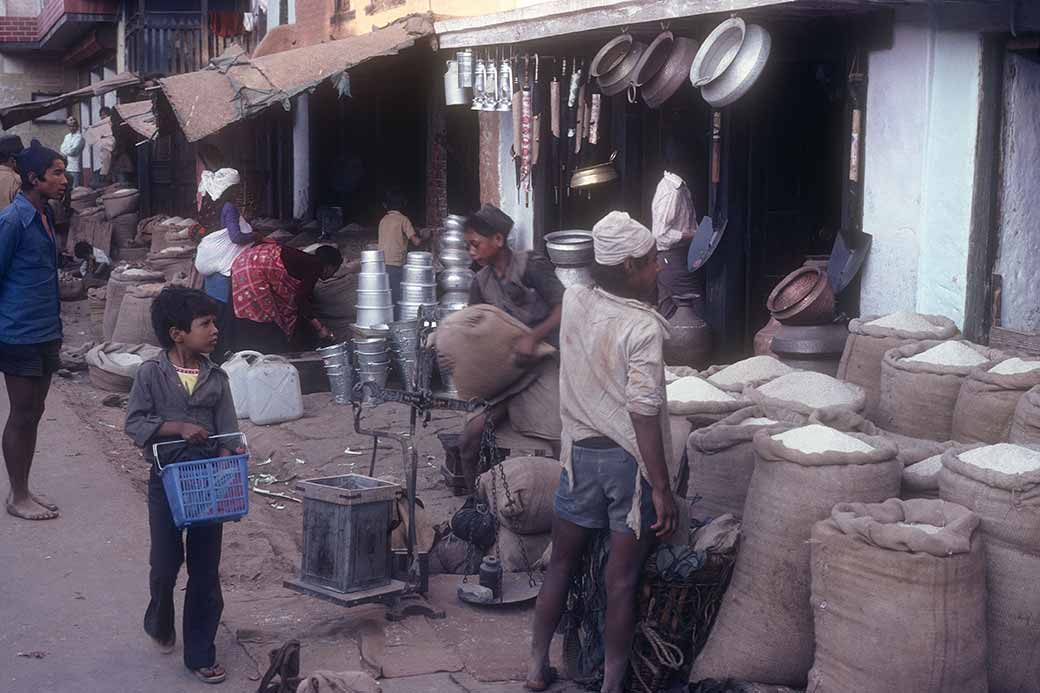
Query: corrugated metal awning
(233, 87)
(24, 112)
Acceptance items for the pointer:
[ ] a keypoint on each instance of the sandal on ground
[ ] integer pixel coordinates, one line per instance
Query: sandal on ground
(549, 677)
(213, 674)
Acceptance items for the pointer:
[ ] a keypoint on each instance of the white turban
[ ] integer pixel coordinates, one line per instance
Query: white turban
(618, 236)
(215, 183)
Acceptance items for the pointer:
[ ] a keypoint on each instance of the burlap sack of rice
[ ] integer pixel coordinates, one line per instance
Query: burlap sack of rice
(722, 460)
(987, 400)
(899, 599)
(113, 366)
(531, 482)
(918, 397)
(519, 552)
(1001, 484)
(805, 392)
(921, 478)
(134, 325)
(145, 229)
(693, 395)
(119, 281)
(764, 630)
(753, 371)
(1025, 424)
(487, 371)
(872, 335)
(173, 260)
(334, 301)
(124, 229)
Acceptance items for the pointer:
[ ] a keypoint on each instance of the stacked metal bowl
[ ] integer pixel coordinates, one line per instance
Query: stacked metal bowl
(572, 254)
(371, 360)
(456, 277)
(375, 307)
(418, 285)
(336, 359)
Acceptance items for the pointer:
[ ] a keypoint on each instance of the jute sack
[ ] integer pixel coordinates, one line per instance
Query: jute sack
(335, 299)
(124, 229)
(722, 460)
(917, 399)
(512, 548)
(113, 366)
(896, 608)
(735, 402)
(120, 280)
(865, 350)
(986, 404)
(532, 482)
(921, 478)
(535, 410)
(1025, 424)
(764, 630)
(487, 370)
(134, 324)
(173, 260)
(801, 402)
(1009, 507)
(144, 229)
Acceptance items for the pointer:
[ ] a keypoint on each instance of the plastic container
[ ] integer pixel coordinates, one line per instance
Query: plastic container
(237, 368)
(207, 491)
(274, 391)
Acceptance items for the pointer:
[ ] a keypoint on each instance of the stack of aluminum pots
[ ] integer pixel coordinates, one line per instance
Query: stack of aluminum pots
(418, 287)
(375, 307)
(371, 360)
(456, 277)
(336, 359)
(404, 351)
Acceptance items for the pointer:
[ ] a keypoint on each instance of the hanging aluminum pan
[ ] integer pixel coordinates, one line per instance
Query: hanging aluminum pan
(611, 55)
(620, 78)
(654, 58)
(718, 51)
(675, 71)
(744, 71)
(597, 174)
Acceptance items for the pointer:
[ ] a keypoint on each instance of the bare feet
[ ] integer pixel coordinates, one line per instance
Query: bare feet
(541, 680)
(43, 500)
(28, 509)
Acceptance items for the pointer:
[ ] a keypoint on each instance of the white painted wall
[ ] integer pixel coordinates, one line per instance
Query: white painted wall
(302, 157)
(922, 123)
(522, 237)
(1019, 251)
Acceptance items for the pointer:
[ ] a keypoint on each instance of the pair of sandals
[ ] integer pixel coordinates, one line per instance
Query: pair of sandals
(212, 674)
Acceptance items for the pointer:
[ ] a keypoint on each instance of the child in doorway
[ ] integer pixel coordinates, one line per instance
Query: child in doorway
(96, 263)
(396, 233)
(182, 396)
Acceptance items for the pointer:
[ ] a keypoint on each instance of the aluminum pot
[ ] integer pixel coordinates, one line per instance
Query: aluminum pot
(373, 256)
(374, 299)
(455, 221)
(451, 240)
(597, 174)
(373, 281)
(455, 279)
(369, 345)
(610, 56)
(718, 51)
(672, 75)
(373, 268)
(654, 58)
(745, 70)
(620, 77)
(570, 248)
(456, 258)
(415, 274)
(370, 317)
(419, 258)
(418, 293)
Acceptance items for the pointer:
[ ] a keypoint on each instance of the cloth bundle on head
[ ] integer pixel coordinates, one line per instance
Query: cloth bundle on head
(491, 220)
(215, 183)
(618, 236)
(10, 145)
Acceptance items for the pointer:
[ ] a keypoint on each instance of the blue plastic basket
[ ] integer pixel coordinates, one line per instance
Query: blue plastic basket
(207, 491)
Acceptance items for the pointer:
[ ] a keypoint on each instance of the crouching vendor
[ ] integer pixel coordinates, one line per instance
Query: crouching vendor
(524, 285)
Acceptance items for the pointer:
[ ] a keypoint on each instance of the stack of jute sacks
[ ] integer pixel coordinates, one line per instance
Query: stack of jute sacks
(172, 249)
(890, 528)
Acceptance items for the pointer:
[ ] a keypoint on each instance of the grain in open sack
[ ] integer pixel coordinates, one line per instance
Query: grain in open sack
(1025, 423)
(804, 392)
(751, 371)
(987, 400)
(694, 395)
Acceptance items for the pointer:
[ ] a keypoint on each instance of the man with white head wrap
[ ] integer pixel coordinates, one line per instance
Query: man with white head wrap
(615, 434)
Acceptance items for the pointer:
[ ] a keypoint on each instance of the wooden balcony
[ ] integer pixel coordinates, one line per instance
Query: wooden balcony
(173, 43)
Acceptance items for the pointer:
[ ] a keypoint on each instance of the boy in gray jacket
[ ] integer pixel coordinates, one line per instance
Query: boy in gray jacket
(182, 396)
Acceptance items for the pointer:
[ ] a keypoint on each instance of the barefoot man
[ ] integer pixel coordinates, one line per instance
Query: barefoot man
(615, 428)
(30, 318)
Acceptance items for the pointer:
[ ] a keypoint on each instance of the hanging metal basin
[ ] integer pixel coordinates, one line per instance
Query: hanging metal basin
(598, 174)
(745, 70)
(718, 51)
(570, 248)
(620, 78)
(671, 77)
(654, 58)
(610, 56)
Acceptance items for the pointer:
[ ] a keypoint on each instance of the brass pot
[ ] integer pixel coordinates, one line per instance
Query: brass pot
(597, 174)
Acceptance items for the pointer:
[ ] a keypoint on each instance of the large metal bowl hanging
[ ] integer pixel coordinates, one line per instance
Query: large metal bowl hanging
(654, 58)
(743, 72)
(610, 56)
(672, 74)
(718, 51)
(619, 78)
(597, 174)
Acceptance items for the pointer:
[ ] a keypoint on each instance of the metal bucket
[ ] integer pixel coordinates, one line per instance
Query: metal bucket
(369, 345)
(420, 258)
(374, 299)
(373, 281)
(418, 293)
(417, 274)
(372, 317)
(372, 256)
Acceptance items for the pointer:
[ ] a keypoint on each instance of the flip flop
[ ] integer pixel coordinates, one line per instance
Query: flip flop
(549, 677)
(213, 674)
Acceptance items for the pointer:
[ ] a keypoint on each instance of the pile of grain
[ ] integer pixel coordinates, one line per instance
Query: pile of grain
(1014, 366)
(754, 369)
(693, 389)
(814, 390)
(925, 468)
(758, 421)
(906, 322)
(816, 438)
(926, 528)
(1003, 457)
(950, 354)
(125, 360)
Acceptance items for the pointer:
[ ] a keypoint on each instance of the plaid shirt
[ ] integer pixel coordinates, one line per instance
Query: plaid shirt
(262, 290)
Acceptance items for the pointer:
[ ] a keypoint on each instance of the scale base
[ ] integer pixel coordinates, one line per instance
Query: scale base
(516, 589)
(399, 601)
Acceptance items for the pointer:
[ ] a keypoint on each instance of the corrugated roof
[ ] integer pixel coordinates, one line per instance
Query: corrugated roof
(24, 112)
(234, 87)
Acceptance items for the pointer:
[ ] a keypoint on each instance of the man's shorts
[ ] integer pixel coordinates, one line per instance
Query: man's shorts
(604, 486)
(30, 360)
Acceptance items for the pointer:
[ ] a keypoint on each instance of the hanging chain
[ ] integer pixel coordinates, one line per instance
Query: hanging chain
(489, 443)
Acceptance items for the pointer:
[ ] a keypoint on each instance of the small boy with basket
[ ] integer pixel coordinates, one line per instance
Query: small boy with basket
(183, 397)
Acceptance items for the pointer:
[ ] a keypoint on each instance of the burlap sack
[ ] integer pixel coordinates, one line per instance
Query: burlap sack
(512, 549)
(532, 482)
(694, 408)
(134, 324)
(96, 306)
(1025, 424)
(917, 399)
(145, 228)
(107, 369)
(734, 387)
(986, 405)
(535, 410)
(865, 350)
(1009, 507)
(722, 460)
(781, 408)
(895, 608)
(124, 229)
(476, 346)
(921, 478)
(119, 281)
(764, 630)
(173, 260)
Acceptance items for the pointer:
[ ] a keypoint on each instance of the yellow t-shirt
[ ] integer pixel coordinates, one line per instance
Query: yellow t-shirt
(189, 378)
(394, 233)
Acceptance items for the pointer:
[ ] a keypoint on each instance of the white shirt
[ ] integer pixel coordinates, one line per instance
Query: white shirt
(672, 212)
(71, 147)
(610, 367)
(99, 257)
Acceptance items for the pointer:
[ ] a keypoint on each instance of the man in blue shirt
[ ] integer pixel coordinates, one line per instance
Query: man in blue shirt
(30, 318)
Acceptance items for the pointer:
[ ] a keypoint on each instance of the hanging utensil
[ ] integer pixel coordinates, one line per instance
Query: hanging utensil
(491, 84)
(525, 132)
(579, 132)
(505, 82)
(537, 109)
(554, 107)
(465, 60)
(597, 106)
(478, 85)
(711, 228)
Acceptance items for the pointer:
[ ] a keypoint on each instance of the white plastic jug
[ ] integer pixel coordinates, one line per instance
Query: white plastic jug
(274, 391)
(237, 368)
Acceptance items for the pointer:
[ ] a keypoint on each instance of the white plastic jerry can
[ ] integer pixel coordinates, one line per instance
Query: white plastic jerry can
(274, 391)
(237, 368)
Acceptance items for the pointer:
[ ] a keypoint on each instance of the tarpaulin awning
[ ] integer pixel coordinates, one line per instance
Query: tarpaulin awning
(233, 87)
(24, 112)
(139, 117)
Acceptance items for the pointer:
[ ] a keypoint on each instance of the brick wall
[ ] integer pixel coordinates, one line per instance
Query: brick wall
(17, 29)
(26, 29)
